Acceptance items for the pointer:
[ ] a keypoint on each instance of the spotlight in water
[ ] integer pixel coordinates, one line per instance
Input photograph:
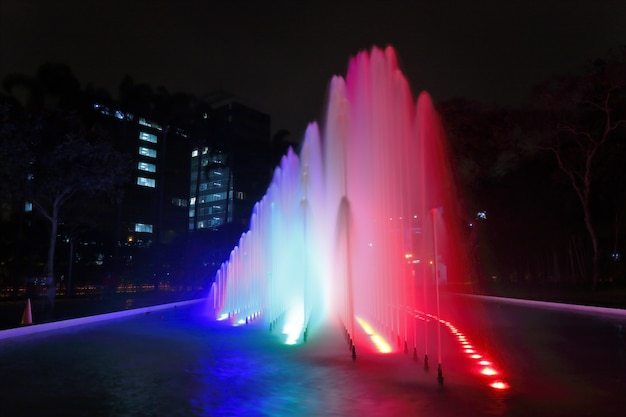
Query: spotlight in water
(294, 324)
(488, 371)
(381, 344)
(499, 385)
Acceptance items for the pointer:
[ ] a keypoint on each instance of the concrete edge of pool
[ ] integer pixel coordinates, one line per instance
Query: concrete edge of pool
(585, 309)
(62, 324)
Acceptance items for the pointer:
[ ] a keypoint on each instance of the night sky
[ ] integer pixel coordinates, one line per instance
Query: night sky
(278, 56)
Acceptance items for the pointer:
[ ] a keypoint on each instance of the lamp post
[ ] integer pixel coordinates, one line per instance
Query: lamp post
(434, 213)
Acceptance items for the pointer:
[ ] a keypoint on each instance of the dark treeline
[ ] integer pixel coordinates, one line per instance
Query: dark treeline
(548, 179)
(544, 189)
(72, 168)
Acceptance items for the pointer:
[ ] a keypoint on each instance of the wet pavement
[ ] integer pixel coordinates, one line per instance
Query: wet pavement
(177, 362)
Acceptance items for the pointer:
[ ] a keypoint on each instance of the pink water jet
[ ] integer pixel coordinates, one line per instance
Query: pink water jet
(363, 224)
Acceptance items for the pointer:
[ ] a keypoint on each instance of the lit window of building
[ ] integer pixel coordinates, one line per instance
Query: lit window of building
(148, 137)
(145, 166)
(143, 228)
(148, 123)
(146, 182)
(150, 153)
(28, 207)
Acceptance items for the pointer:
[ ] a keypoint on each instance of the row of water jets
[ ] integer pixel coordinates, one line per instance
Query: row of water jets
(361, 224)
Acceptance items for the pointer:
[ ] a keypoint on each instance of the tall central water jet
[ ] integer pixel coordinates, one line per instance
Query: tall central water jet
(348, 226)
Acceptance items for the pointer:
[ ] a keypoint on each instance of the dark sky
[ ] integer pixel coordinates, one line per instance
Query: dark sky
(278, 56)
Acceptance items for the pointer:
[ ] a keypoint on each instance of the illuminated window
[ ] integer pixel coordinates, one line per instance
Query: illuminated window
(146, 182)
(194, 153)
(192, 201)
(102, 109)
(241, 195)
(216, 197)
(28, 207)
(145, 166)
(179, 202)
(143, 228)
(151, 153)
(148, 123)
(148, 137)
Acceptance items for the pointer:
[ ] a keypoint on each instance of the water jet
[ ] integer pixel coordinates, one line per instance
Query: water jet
(363, 222)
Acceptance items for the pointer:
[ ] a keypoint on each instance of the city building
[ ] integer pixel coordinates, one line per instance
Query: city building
(191, 194)
(230, 171)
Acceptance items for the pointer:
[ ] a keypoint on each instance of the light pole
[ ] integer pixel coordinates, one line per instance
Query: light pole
(434, 213)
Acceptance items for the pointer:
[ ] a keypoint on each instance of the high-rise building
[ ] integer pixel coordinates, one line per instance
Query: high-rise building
(151, 214)
(191, 194)
(231, 170)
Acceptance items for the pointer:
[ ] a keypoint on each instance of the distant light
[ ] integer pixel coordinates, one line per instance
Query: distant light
(476, 356)
(484, 363)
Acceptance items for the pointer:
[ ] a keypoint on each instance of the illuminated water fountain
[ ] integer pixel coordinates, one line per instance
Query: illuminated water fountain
(361, 225)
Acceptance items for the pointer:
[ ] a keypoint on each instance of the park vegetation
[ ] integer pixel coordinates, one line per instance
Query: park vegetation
(544, 188)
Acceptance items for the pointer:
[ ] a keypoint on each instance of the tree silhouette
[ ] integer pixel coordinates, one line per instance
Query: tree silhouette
(52, 159)
(584, 114)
